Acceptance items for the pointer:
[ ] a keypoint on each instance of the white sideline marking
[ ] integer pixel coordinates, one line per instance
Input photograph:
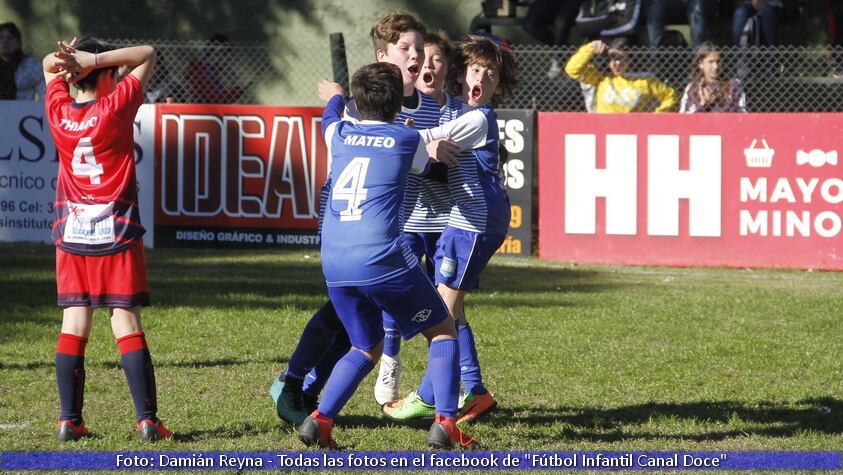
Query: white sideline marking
(21, 425)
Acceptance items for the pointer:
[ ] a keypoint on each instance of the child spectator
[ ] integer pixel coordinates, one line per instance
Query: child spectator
(203, 75)
(707, 92)
(619, 91)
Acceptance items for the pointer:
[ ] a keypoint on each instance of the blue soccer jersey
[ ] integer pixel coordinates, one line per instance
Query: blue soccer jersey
(480, 202)
(427, 203)
(361, 229)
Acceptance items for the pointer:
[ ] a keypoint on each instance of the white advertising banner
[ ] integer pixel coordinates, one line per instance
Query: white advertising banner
(28, 167)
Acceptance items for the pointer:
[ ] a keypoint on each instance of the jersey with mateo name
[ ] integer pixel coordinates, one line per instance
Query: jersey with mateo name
(427, 202)
(362, 242)
(96, 208)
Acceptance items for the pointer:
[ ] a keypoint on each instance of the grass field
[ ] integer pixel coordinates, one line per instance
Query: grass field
(580, 357)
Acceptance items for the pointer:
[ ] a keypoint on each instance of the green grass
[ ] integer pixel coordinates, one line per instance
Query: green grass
(580, 357)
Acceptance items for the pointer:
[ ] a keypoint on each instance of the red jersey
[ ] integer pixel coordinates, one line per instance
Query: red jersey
(96, 209)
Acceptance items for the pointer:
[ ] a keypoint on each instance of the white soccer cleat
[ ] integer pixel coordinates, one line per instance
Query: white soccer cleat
(389, 374)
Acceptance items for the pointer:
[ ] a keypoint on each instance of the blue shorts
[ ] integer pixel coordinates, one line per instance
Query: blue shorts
(410, 298)
(423, 244)
(462, 255)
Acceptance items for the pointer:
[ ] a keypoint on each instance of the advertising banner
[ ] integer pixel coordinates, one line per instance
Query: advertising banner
(246, 176)
(29, 164)
(747, 190)
(238, 175)
(517, 134)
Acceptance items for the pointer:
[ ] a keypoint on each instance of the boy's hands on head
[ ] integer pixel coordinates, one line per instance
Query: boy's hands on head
(328, 89)
(443, 151)
(74, 64)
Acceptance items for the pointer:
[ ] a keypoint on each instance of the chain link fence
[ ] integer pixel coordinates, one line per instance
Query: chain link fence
(781, 79)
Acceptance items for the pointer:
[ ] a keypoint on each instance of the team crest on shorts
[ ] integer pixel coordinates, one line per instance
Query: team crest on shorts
(422, 315)
(448, 267)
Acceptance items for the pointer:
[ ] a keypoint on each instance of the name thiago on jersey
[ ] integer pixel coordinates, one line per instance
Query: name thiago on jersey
(68, 124)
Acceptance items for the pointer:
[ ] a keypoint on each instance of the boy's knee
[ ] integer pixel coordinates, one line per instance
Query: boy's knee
(374, 353)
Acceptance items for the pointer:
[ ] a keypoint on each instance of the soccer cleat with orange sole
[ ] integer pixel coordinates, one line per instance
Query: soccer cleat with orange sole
(150, 431)
(316, 429)
(67, 431)
(444, 433)
(476, 405)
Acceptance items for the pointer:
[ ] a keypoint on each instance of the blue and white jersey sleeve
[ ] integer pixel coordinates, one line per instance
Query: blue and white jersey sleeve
(469, 131)
(421, 162)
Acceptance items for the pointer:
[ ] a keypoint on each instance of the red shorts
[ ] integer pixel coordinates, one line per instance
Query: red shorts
(115, 280)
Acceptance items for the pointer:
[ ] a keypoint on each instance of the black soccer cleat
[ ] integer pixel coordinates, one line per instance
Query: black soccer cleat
(67, 431)
(316, 430)
(150, 431)
(444, 433)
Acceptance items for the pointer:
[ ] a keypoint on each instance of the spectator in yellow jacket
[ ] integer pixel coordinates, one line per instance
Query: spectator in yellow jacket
(619, 91)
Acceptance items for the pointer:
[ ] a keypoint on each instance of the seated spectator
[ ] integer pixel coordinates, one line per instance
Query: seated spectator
(661, 12)
(21, 77)
(706, 92)
(203, 75)
(161, 87)
(550, 22)
(618, 91)
(766, 15)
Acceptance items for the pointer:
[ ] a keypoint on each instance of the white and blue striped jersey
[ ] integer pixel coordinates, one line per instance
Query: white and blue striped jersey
(480, 202)
(361, 230)
(427, 203)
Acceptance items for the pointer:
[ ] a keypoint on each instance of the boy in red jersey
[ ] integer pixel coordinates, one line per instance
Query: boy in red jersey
(97, 229)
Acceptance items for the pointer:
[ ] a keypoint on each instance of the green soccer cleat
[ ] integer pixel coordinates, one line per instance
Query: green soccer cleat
(410, 408)
(288, 402)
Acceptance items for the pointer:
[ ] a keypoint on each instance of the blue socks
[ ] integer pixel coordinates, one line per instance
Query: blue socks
(345, 378)
(70, 376)
(425, 390)
(318, 335)
(443, 373)
(469, 364)
(140, 375)
(391, 338)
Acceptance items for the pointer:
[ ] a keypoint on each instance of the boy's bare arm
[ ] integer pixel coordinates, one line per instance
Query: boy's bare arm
(80, 63)
(53, 63)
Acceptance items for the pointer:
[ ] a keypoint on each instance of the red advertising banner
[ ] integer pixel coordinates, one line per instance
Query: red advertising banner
(238, 175)
(742, 190)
